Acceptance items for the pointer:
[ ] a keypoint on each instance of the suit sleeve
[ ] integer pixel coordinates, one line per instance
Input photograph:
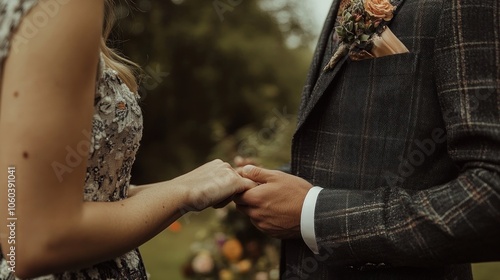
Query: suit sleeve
(456, 222)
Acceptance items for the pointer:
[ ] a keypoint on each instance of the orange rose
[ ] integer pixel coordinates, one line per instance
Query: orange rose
(379, 9)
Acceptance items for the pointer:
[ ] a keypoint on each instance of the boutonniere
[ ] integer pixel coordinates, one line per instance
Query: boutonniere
(363, 31)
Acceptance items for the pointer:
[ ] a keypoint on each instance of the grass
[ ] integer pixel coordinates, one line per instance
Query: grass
(165, 254)
(486, 271)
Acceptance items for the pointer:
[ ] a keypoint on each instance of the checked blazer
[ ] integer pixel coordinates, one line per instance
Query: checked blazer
(407, 149)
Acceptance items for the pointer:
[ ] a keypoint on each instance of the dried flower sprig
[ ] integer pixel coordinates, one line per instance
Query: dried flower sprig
(359, 22)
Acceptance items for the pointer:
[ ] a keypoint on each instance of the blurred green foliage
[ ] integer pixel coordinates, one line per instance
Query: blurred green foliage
(213, 80)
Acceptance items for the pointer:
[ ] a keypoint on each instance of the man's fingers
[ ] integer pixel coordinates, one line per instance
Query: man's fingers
(251, 212)
(224, 203)
(245, 209)
(240, 200)
(257, 174)
(247, 198)
(248, 184)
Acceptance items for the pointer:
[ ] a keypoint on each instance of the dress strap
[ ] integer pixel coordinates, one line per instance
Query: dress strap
(11, 14)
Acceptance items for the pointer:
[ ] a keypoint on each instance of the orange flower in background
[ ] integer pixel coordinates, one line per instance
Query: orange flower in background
(382, 9)
(175, 227)
(232, 250)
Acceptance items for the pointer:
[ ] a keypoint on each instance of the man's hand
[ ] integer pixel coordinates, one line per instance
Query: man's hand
(275, 206)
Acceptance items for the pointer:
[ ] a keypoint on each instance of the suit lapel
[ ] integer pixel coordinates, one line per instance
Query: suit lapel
(317, 80)
(321, 85)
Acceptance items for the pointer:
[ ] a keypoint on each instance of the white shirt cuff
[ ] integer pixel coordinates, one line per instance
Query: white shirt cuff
(307, 219)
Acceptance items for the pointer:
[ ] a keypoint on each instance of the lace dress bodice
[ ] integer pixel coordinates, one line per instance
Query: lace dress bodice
(114, 141)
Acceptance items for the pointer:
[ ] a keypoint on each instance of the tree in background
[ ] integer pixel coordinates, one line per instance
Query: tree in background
(219, 75)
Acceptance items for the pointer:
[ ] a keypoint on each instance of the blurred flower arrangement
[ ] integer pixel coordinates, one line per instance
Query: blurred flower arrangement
(232, 249)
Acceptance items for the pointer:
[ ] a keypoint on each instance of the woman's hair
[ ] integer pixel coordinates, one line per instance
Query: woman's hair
(127, 70)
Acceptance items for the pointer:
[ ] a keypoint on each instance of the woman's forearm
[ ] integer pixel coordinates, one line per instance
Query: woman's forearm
(109, 229)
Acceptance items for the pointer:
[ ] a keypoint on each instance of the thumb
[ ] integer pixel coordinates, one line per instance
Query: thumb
(256, 174)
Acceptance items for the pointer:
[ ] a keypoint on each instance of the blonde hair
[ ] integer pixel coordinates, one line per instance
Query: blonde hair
(127, 69)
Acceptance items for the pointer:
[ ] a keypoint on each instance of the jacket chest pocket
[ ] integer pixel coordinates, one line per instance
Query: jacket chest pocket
(380, 96)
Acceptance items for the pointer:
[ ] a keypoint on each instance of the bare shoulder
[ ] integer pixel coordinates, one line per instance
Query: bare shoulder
(60, 28)
(54, 50)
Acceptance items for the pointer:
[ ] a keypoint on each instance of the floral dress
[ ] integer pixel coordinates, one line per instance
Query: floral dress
(115, 136)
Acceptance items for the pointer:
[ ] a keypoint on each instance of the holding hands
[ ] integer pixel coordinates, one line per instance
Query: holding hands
(212, 184)
(271, 199)
(275, 205)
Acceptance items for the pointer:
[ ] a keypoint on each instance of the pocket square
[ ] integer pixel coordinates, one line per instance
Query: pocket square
(387, 44)
(382, 45)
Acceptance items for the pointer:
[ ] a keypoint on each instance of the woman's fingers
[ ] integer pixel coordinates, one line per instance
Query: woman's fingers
(214, 183)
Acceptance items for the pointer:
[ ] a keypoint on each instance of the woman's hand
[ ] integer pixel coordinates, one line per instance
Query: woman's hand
(211, 184)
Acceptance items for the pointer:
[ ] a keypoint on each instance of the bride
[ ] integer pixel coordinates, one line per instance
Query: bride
(70, 127)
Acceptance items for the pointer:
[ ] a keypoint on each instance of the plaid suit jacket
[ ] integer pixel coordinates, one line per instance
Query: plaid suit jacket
(407, 148)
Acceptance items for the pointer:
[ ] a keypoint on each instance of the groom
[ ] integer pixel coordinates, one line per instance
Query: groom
(403, 150)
